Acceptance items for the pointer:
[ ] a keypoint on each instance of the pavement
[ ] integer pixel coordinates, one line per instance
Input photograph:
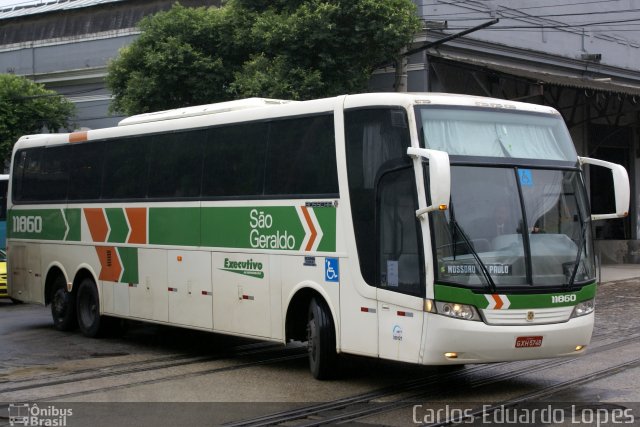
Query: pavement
(616, 272)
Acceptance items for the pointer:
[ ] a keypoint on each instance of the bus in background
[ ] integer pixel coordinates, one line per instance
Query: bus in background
(4, 185)
(426, 228)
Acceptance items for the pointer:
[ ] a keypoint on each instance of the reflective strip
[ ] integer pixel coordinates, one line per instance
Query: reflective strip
(405, 314)
(367, 310)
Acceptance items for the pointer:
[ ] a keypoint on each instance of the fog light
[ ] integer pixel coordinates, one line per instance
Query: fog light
(579, 347)
(452, 355)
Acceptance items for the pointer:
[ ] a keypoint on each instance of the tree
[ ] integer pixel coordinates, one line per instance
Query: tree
(293, 49)
(25, 108)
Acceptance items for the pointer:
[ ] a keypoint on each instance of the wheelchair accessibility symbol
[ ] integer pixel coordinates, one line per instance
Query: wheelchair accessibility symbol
(331, 270)
(526, 179)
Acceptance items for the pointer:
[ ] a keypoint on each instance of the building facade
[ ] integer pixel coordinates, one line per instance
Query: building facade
(581, 57)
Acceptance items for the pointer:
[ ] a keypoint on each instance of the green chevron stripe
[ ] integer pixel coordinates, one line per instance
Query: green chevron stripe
(129, 259)
(118, 224)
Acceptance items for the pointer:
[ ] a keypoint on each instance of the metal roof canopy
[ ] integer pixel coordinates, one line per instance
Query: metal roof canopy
(49, 6)
(553, 77)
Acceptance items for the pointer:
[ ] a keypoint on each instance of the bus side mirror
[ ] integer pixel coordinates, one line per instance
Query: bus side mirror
(620, 187)
(439, 178)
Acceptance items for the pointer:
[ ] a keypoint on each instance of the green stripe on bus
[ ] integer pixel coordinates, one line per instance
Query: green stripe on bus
(117, 224)
(273, 227)
(174, 226)
(42, 224)
(129, 259)
(284, 228)
(517, 301)
(327, 220)
(74, 217)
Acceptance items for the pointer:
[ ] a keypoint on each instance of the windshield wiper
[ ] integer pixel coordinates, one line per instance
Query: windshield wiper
(483, 268)
(583, 236)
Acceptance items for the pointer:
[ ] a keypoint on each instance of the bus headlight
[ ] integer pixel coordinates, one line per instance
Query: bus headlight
(583, 308)
(457, 311)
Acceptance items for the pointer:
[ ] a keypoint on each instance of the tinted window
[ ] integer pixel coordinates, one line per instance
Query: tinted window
(26, 168)
(176, 164)
(41, 174)
(86, 170)
(54, 173)
(125, 169)
(301, 157)
(234, 160)
(374, 137)
(400, 266)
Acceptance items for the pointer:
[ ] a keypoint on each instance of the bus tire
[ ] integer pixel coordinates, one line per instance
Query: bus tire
(88, 308)
(321, 341)
(63, 306)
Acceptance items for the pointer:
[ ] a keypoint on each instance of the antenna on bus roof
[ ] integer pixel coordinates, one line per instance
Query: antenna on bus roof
(202, 110)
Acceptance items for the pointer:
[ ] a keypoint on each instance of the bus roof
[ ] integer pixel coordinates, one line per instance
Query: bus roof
(265, 108)
(200, 110)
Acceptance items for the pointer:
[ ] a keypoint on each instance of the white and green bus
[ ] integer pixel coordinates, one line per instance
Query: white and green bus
(426, 228)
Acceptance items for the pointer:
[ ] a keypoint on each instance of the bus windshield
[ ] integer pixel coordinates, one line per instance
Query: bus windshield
(509, 226)
(491, 133)
(486, 232)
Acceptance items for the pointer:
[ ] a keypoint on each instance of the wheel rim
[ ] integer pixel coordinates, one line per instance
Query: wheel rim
(88, 309)
(312, 342)
(59, 304)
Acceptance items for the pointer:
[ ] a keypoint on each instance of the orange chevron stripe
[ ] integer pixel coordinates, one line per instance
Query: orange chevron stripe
(498, 301)
(314, 232)
(97, 224)
(111, 269)
(138, 223)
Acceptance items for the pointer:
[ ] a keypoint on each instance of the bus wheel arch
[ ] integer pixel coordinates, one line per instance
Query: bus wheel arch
(55, 275)
(309, 318)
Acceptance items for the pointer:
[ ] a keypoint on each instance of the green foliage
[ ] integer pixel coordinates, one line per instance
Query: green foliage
(293, 49)
(25, 108)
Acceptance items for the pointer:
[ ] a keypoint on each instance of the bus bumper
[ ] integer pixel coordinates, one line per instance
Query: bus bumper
(453, 341)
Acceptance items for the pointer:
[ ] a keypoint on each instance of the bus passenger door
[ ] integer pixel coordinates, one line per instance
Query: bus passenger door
(400, 267)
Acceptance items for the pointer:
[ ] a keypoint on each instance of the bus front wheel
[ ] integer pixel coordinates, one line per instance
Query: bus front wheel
(321, 341)
(88, 308)
(63, 307)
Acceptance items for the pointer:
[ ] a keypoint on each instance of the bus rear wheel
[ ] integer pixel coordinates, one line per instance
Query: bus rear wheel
(88, 308)
(63, 306)
(321, 341)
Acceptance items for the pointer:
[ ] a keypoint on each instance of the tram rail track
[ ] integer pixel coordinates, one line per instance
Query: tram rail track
(364, 405)
(544, 392)
(280, 354)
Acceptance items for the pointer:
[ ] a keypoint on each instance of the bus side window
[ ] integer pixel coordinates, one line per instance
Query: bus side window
(125, 169)
(86, 170)
(175, 164)
(234, 160)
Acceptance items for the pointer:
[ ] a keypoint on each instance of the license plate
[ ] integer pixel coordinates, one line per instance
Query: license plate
(528, 342)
